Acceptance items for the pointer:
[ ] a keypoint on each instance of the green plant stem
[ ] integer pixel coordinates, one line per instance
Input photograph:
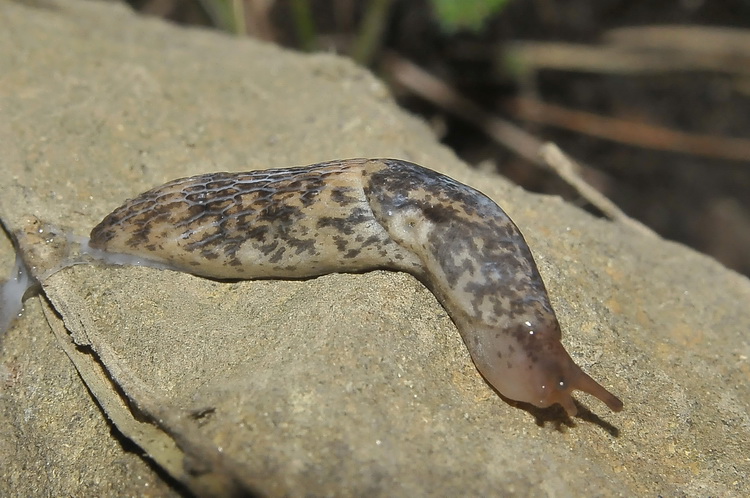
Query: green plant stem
(369, 38)
(238, 17)
(303, 24)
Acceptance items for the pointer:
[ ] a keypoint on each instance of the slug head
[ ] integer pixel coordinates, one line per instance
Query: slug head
(529, 364)
(552, 379)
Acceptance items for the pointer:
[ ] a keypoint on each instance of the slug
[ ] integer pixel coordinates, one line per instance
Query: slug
(363, 214)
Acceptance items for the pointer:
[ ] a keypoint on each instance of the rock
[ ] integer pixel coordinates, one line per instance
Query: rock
(344, 384)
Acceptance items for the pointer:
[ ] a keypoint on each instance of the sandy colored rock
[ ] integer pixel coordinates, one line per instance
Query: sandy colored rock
(344, 384)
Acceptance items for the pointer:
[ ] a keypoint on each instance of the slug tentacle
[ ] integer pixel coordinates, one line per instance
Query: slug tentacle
(358, 215)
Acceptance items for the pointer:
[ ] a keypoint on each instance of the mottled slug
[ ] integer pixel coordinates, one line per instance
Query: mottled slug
(363, 214)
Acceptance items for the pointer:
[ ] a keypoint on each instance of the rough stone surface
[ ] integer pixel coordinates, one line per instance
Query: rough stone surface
(344, 384)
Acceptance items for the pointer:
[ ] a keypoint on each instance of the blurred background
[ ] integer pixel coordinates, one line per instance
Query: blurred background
(651, 98)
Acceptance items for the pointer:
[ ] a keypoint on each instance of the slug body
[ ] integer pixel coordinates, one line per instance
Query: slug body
(358, 215)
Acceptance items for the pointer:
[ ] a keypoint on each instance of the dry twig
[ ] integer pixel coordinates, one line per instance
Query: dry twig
(567, 169)
(631, 132)
(640, 50)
